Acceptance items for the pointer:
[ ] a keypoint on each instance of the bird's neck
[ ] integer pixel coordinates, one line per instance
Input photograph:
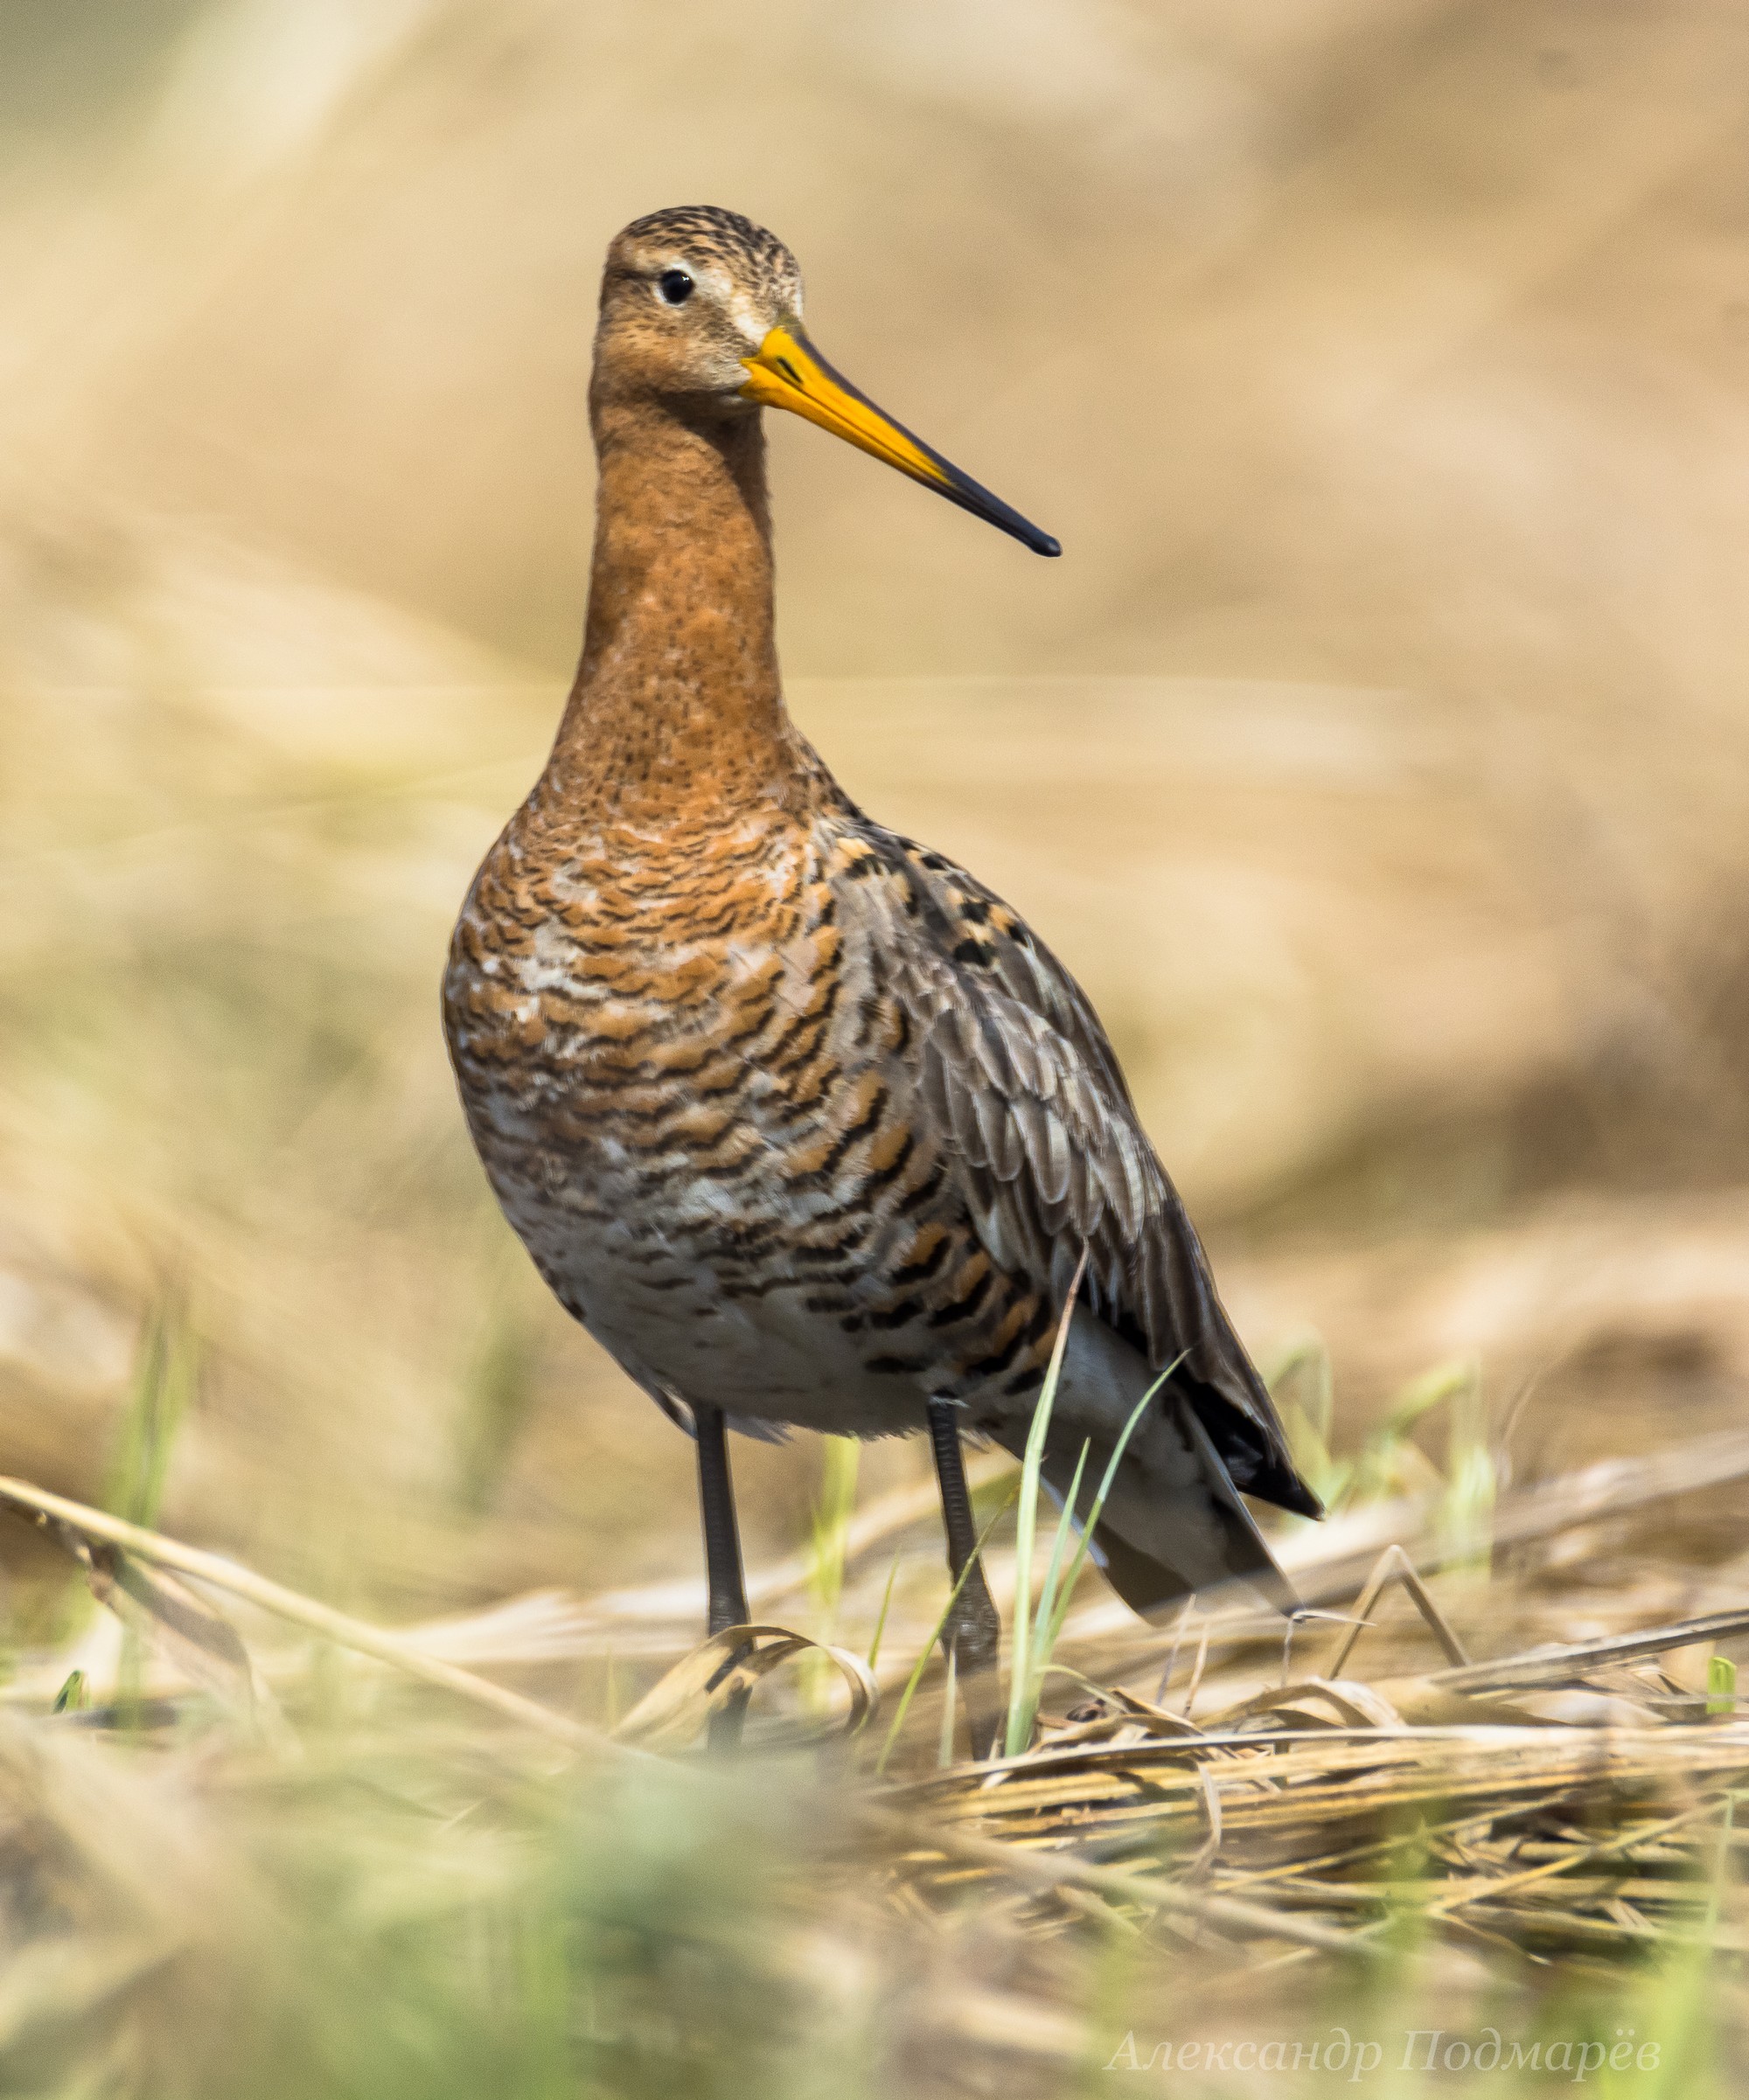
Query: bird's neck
(677, 709)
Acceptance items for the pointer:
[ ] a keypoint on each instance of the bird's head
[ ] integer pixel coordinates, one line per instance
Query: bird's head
(701, 312)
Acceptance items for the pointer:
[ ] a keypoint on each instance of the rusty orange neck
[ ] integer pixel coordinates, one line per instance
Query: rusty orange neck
(677, 709)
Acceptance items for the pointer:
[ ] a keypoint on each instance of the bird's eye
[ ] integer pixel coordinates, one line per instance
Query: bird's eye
(674, 286)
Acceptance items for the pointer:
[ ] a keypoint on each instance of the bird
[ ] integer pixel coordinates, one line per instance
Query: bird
(794, 1114)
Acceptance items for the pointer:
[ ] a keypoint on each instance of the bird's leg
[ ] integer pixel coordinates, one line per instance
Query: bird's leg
(972, 1632)
(727, 1586)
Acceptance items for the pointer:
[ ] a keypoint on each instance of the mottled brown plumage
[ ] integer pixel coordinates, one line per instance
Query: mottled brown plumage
(794, 1115)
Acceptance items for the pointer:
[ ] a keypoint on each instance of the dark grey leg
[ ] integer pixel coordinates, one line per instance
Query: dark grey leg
(972, 1634)
(728, 1585)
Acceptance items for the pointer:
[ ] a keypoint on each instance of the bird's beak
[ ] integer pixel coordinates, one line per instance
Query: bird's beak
(787, 372)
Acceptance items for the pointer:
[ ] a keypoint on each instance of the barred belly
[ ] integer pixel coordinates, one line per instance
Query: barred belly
(697, 1102)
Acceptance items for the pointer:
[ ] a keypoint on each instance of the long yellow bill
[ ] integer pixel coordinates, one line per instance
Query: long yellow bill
(787, 372)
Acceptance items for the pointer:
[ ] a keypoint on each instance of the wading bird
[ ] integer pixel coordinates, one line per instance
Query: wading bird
(794, 1115)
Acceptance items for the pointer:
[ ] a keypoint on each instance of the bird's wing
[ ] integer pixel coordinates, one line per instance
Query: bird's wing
(1016, 1067)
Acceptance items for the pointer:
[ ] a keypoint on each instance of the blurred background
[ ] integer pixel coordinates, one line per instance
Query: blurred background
(1377, 754)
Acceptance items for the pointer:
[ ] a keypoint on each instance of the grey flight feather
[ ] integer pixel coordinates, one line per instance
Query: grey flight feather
(1053, 1158)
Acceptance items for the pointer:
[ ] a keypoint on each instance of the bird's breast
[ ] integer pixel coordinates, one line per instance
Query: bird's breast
(693, 1087)
(673, 1035)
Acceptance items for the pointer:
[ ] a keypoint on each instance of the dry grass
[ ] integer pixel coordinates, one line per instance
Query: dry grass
(1520, 1846)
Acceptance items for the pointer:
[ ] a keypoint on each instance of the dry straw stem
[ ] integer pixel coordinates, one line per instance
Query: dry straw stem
(670, 1713)
(1558, 1665)
(337, 1626)
(1395, 1565)
(1309, 1793)
(1298, 1807)
(659, 1712)
(1055, 1871)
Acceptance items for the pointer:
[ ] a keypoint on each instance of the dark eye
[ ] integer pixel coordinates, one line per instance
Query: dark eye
(674, 286)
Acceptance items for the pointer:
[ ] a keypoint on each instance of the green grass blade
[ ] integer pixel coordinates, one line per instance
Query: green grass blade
(921, 1663)
(886, 1604)
(1047, 1634)
(831, 1516)
(1303, 1388)
(1065, 1527)
(1026, 1526)
(944, 1752)
(1054, 1604)
(830, 1536)
(1466, 1514)
(164, 1375)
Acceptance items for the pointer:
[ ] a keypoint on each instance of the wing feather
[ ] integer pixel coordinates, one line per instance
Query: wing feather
(1052, 1157)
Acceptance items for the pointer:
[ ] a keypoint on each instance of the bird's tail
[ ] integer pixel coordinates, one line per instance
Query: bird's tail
(1151, 1577)
(1172, 1523)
